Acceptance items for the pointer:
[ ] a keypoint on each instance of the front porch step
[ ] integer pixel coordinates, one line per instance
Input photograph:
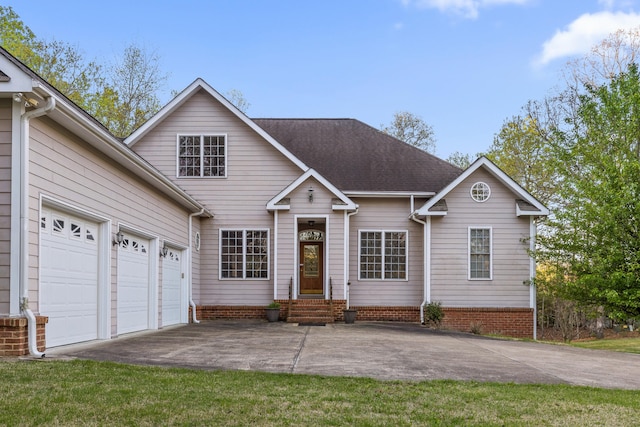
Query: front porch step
(310, 311)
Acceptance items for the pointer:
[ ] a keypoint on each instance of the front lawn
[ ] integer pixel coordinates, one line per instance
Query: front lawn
(627, 345)
(104, 393)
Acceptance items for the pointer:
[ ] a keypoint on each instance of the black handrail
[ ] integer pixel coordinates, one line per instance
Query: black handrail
(331, 296)
(290, 297)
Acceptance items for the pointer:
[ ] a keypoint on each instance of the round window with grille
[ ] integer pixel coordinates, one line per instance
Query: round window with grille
(480, 192)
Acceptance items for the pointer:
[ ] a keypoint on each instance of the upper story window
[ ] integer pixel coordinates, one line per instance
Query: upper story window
(480, 192)
(202, 156)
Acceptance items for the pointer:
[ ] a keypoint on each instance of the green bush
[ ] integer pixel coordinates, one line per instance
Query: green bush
(433, 313)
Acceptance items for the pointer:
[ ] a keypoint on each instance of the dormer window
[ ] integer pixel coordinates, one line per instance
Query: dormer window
(202, 156)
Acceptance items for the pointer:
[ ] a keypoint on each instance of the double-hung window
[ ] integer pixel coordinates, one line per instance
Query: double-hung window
(383, 255)
(244, 254)
(480, 256)
(202, 156)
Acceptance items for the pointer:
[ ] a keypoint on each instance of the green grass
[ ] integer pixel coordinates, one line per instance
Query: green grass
(627, 345)
(104, 393)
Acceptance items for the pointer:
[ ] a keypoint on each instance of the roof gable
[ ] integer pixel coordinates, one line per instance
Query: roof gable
(526, 204)
(185, 95)
(358, 158)
(279, 202)
(15, 76)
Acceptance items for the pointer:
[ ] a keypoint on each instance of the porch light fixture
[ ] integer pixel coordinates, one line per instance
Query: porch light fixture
(28, 102)
(164, 251)
(311, 223)
(310, 194)
(118, 238)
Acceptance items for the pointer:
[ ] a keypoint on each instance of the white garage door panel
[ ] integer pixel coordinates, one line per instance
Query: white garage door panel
(68, 278)
(171, 288)
(133, 285)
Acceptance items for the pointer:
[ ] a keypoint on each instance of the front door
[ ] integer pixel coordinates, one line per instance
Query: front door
(311, 268)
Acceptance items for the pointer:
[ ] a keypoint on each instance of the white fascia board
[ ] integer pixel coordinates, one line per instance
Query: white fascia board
(498, 174)
(188, 93)
(434, 213)
(279, 207)
(537, 212)
(310, 173)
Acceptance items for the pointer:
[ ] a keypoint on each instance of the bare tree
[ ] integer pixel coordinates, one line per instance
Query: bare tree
(131, 91)
(606, 60)
(413, 130)
(237, 98)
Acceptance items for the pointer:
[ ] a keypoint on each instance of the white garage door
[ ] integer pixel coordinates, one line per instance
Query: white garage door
(133, 284)
(68, 278)
(172, 288)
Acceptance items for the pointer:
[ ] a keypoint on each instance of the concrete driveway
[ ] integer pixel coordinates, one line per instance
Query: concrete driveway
(386, 351)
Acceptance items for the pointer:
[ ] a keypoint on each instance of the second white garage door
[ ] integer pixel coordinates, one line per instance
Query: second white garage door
(133, 284)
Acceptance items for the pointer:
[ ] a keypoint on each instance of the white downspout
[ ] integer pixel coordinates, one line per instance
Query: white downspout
(191, 303)
(24, 221)
(275, 254)
(532, 274)
(347, 230)
(426, 238)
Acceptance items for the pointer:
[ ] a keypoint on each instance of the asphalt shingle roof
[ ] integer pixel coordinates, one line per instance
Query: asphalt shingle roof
(357, 157)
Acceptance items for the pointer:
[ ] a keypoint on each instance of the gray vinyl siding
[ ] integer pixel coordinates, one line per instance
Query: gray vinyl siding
(449, 243)
(385, 215)
(65, 168)
(195, 256)
(5, 203)
(256, 172)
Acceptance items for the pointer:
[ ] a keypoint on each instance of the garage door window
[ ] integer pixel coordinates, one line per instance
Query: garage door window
(133, 245)
(70, 228)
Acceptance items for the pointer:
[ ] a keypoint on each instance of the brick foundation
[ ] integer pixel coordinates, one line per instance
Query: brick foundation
(512, 322)
(14, 336)
(388, 314)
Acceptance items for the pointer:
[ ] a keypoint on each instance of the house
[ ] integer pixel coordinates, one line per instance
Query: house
(205, 213)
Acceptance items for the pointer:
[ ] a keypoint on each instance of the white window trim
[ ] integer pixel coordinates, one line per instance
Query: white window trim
(244, 254)
(471, 193)
(480, 227)
(406, 255)
(202, 135)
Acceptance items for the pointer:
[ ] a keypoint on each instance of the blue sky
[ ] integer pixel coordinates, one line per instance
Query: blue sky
(464, 66)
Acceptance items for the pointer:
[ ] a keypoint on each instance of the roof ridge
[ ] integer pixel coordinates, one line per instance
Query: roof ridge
(303, 118)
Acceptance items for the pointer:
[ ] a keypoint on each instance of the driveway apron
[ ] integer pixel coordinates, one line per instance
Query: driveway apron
(386, 351)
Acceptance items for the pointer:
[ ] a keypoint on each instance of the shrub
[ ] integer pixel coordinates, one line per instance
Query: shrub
(433, 313)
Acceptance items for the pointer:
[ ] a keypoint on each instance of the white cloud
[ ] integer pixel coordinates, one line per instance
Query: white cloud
(466, 8)
(585, 32)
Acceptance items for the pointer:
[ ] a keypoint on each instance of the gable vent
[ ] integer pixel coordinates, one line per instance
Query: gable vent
(4, 77)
